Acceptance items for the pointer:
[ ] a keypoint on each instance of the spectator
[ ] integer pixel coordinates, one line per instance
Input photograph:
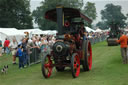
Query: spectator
(13, 47)
(44, 44)
(29, 41)
(20, 55)
(0, 48)
(123, 41)
(24, 46)
(6, 44)
(33, 44)
(38, 42)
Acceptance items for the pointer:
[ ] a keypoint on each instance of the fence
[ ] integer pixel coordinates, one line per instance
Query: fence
(34, 57)
(97, 39)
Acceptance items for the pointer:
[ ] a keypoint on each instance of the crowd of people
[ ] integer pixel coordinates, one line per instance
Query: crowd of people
(96, 34)
(22, 49)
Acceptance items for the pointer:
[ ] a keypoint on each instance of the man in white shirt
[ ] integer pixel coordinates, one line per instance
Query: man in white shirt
(13, 47)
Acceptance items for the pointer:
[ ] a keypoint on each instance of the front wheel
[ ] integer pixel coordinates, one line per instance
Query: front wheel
(47, 66)
(75, 65)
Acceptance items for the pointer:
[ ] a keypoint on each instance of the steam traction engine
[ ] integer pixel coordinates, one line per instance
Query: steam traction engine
(70, 48)
(114, 34)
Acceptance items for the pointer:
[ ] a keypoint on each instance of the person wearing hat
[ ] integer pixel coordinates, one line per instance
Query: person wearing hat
(0, 47)
(123, 44)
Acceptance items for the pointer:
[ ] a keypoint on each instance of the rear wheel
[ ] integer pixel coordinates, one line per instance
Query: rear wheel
(75, 65)
(87, 56)
(47, 66)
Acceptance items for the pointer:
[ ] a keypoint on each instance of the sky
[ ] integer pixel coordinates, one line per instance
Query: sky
(100, 4)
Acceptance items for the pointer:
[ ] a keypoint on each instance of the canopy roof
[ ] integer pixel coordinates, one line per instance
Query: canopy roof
(98, 30)
(68, 13)
(89, 29)
(38, 31)
(10, 31)
(50, 32)
(33, 31)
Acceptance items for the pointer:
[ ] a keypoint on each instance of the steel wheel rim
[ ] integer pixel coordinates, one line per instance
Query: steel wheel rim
(90, 56)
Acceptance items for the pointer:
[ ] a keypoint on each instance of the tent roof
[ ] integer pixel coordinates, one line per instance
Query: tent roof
(98, 30)
(33, 31)
(38, 31)
(10, 31)
(89, 29)
(49, 32)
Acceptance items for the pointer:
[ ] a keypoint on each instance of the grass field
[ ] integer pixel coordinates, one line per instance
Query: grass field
(107, 69)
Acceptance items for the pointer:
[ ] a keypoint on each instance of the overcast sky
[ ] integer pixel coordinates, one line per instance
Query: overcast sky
(98, 3)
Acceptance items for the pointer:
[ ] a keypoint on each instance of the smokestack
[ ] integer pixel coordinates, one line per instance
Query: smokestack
(59, 10)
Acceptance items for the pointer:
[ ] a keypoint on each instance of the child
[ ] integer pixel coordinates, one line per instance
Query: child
(20, 55)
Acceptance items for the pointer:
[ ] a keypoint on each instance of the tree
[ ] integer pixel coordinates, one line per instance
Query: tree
(127, 20)
(102, 25)
(39, 13)
(90, 10)
(15, 14)
(112, 13)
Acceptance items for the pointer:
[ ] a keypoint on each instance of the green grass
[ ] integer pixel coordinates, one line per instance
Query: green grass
(107, 69)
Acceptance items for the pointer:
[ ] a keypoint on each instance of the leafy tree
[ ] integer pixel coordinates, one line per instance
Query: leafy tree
(90, 10)
(38, 14)
(127, 20)
(15, 13)
(102, 25)
(112, 14)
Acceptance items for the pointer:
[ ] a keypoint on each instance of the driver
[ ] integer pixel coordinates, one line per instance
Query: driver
(82, 30)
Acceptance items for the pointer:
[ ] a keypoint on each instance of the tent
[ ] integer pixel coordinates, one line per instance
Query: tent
(89, 29)
(50, 32)
(98, 30)
(33, 31)
(126, 29)
(10, 33)
(38, 32)
(106, 30)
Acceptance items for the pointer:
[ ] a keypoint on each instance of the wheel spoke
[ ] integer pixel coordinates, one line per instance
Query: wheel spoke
(75, 65)
(78, 71)
(49, 70)
(47, 65)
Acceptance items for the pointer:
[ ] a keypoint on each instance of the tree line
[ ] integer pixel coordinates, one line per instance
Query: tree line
(16, 13)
